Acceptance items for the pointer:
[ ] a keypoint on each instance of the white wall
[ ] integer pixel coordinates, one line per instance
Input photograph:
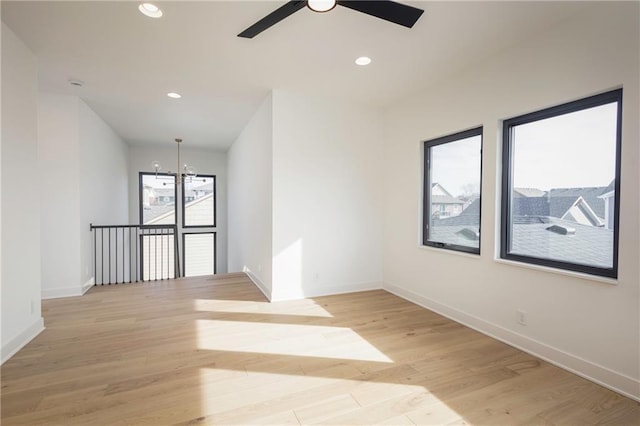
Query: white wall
(21, 314)
(83, 176)
(59, 183)
(327, 192)
(206, 162)
(250, 206)
(586, 325)
(104, 178)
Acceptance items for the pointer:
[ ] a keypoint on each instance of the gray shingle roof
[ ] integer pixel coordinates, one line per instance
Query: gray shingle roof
(590, 195)
(454, 235)
(528, 192)
(588, 246)
(530, 206)
(459, 229)
(469, 217)
(558, 206)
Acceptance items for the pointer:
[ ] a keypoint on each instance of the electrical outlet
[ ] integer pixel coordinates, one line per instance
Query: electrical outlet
(522, 317)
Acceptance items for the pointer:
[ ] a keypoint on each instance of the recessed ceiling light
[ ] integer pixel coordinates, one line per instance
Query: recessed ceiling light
(174, 95)
(150, 9)
(363, 60)
(75, 82)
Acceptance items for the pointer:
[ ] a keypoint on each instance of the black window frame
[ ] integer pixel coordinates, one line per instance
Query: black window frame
(215, 250)
(215, 203)
(507, 180)
(140, 192)
(426, 193)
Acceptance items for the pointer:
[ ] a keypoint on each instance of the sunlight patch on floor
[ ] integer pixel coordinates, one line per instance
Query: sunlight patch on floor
(286, 339)
(273, 398)
(305, 307)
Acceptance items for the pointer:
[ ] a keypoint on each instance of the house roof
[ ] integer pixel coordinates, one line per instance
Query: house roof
(588, 246)
(207, 187)
(153, 213)
(169, 192)
(445, 198)
(530, 206)
(164, 192)
(590, 195)
(528, 192)
(469, 217)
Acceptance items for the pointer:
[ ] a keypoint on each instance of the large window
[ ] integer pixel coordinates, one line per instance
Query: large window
(561, 186)
(452, 182)
(190, 206)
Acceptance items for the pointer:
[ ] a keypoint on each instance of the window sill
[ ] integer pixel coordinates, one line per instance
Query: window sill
(449, 251)
(605, 280)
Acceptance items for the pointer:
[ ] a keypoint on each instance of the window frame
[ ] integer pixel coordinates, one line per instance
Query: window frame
(507, 182)
(215, 203)
(426, 191)
(141, 190)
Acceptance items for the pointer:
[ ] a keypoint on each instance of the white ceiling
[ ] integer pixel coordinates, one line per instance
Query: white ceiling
(129, 61)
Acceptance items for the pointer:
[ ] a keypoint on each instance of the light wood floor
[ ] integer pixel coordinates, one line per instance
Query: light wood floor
(214, 351)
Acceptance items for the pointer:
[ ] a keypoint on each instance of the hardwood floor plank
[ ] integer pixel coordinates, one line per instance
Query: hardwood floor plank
(213, 350)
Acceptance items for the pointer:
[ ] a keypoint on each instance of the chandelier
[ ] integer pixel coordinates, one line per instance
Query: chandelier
(187, 171)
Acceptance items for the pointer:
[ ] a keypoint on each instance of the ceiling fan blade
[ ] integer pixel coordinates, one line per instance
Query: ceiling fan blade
(391, 11)
(273, 18)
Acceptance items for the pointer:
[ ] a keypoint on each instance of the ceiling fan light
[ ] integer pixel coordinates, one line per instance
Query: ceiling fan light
(321, 5)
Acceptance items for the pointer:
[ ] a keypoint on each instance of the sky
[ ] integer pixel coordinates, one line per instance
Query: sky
(456, 164)
(573, 150)
(568, 151)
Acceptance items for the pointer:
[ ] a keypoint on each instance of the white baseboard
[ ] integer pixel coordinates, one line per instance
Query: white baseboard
(86, 286)
(56, 293)
(258, 282)
(304, 294)
(621, 383)
(18, 342)
(330, 291)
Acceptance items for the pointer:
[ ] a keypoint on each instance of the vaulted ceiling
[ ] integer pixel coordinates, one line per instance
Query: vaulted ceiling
(129, 62)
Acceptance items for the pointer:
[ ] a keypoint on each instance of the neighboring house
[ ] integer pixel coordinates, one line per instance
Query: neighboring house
(609, 198)
(463, 229)
(444, 204)
(536, 235)
(201, 190)
(199, 211)
(578, 205)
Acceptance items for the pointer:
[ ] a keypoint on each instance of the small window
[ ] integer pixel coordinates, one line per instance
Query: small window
(452, 182)
(561, 186)
(157, 198)
(199, 253)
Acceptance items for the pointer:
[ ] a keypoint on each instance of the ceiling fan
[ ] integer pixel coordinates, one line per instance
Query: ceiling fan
(391, 11)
